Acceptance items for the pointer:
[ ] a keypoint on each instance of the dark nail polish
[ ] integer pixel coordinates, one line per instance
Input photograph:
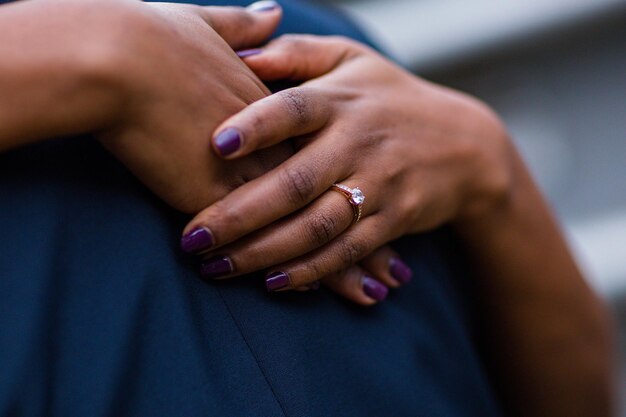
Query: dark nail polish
(197, 240)
(400, 271)
(228, 141)
(248, 52)
(216, 267)
(374, 289)
(277, 281)
(263, 6)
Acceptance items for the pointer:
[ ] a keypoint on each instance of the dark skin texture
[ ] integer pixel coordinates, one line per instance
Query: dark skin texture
(424, 156)
(116, 67)
(150, 80)
(125, 82)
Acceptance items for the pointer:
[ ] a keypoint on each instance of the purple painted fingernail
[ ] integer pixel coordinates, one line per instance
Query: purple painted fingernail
(216, 267)
(400, 271)
(249, 52)
(374, 289)
(197, 240)
(228, 141)
(277, 281)
(263, 6)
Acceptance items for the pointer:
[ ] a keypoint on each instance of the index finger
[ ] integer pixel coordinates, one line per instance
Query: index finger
(273, 119)
(280, 192)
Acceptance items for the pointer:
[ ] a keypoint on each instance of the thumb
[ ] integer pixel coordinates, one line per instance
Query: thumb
(244, 27)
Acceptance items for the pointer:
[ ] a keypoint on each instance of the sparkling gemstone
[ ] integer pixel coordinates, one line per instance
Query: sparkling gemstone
(357, 196)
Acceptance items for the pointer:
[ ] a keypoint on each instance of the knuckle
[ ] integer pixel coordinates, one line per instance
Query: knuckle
(299, 183)
(296, 104)
(321, 228)
(225, 217)
(256, 123)
(315, 271)
(352, 250)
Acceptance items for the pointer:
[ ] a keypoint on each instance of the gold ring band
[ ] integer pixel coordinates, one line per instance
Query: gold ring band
(355, 198)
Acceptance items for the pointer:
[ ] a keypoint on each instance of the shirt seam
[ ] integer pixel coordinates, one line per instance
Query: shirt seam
(254, 356)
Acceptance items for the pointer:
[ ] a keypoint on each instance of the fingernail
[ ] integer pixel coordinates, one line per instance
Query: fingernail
(228, 141)
(374, 289)
(216, 267)
(400, 271)
(277, 281)
(197, 240)
(249, 52)
(263, 6)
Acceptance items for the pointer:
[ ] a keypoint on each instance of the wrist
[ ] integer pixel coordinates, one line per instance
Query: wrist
(504, 204)
(101, 62)
(495, 168)
(56, 76)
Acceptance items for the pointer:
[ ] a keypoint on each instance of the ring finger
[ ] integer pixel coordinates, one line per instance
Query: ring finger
(339, 254)
(309, 229)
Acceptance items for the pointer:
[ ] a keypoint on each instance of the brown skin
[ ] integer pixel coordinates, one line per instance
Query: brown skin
(363, 122)
(444, 158)
(122, 81)
(151, 80)
(548, 338)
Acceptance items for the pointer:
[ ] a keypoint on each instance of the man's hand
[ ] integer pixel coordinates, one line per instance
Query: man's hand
(180, 79)
(152, 80)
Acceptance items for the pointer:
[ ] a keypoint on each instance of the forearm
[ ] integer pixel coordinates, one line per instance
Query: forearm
(547, 335)
(49, 76)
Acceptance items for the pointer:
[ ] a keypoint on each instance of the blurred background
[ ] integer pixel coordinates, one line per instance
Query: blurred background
(555, 70)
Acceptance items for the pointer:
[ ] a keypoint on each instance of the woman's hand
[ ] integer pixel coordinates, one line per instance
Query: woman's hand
(423, 156)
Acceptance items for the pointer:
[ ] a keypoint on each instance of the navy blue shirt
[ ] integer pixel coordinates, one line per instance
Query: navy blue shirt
(101, 315)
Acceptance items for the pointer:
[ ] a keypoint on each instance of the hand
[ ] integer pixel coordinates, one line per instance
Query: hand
(423, 155)
(179, 78)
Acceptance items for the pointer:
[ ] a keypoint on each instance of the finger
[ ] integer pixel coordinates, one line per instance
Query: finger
(287, 114)
(314, 286)
(300, 57)
(357, 285)
(243, 27)
(256, 204)
(313, 227)
(341, 253)
(387, 266)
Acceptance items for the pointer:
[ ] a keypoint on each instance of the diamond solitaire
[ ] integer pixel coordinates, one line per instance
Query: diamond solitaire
(355, 197)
